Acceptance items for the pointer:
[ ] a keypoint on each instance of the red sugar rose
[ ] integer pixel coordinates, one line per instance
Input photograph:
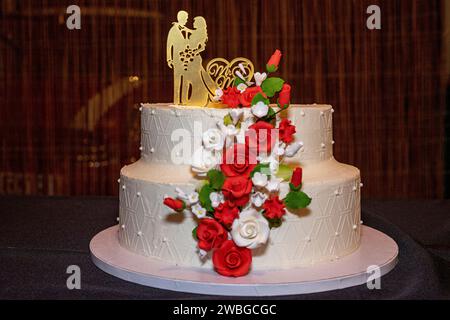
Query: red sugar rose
(286, 131)
(284, 96)
(237, 189)
(174, 204)
(274, 60)
(230, 97)
(210, 234)
(262, 136)
(238, 161)
(232, 261)
(296, 178)
(226, 212)
(247, 96)
(274, 208)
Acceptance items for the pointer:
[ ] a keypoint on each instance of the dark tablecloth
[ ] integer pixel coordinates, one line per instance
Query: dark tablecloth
(40, 237)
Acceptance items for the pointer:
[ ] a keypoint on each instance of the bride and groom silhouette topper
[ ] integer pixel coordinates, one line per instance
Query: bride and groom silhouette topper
(194, 84)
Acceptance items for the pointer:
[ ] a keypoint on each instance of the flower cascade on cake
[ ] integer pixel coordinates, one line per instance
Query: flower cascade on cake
(247, 188)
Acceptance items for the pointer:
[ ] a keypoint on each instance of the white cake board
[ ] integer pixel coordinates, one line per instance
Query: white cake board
(376, 249)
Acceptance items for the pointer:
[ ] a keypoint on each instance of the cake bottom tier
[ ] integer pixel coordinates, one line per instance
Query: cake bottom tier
(328, 229)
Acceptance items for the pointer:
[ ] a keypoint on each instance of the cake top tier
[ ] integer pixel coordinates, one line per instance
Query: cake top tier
(171, 134)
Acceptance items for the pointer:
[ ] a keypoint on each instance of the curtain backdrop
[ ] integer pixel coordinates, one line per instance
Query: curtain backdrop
(69, 98)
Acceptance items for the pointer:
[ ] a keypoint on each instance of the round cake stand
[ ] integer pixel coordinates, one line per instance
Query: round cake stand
(376, 249)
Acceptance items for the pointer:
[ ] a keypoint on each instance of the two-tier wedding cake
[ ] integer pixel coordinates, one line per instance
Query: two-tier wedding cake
(235, 182)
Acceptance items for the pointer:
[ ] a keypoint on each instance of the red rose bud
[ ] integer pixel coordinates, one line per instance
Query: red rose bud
(296, 179)
(175, 204)
(284, 97)
(274, 61)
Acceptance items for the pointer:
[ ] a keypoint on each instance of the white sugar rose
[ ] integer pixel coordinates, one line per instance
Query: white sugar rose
(260, 109)
(213, 139)
(250, 230)
(203, 160)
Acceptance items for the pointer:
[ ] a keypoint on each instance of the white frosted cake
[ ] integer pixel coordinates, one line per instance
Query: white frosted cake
(329, 228)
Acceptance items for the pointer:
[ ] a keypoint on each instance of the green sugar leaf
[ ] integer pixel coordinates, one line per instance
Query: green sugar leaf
(258, 98)
(297, 200)
(272, 85)
(284, 172)
(194, 233)
(203, 195)
(271, 68)
(238, 81)
(227, 120)
(260, 167)
(216, 179)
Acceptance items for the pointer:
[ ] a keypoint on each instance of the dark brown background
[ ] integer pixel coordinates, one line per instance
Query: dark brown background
(387, 86)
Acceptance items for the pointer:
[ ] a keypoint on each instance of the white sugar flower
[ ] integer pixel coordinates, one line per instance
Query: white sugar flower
(203, 160)
(213, 139)
(218, 95)
(229, 130)
(239, 74)
(274, 184)
(241, 66)
(272, 160)
(193, 198)
(259, 179)
(236, 115)
(259, 78)
(202, 253)
(292, 149)
(274, 165)
(198, 211)
(278, 150)
(240, 137)
(216, 199)
(258, 199)
(181, 194)
(241, 87)
(250, 230)
(260, 109)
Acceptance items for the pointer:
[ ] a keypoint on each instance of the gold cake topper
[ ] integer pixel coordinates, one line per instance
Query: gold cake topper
(193, 84)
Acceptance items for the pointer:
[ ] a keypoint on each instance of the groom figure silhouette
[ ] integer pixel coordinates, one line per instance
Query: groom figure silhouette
(176, 40)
